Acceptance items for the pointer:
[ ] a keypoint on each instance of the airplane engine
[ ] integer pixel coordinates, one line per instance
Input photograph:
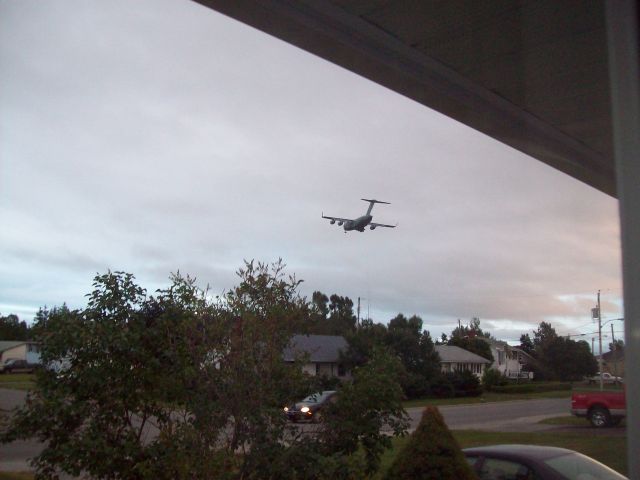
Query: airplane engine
(372, 227)
(340, 223)
(332, 222)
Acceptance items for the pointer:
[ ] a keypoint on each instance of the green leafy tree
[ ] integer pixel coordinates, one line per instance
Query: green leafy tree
(431, 453)
(11, 328)
(331, 315)
(362, 343)
(472, 338)
(180, 385)
(560, 358)
(373, 400)
(526, 344)
(170, 386)
(318, 313)
(416, 351)
(618, 345)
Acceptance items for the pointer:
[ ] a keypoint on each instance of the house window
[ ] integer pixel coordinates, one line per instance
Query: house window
(317, 369)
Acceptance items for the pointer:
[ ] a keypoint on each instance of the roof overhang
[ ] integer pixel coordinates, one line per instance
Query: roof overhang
(532, 75)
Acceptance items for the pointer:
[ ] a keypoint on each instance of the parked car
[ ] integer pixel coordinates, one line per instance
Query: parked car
(310, 408)
(603, 409)
(15, 365)
(533, 462)
(606, 378)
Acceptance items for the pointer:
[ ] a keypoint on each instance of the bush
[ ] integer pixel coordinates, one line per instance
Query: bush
(443, 388)
(414, 385)
(465, 384)
(430, 453)
(492, 378)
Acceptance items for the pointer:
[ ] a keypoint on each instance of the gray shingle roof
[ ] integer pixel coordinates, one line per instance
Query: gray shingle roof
(321, 348)
(453, 354)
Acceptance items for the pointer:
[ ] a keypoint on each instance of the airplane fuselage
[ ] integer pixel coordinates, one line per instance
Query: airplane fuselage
(358, 224)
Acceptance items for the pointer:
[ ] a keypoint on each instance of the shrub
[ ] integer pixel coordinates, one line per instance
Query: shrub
(414, 385)
(430, 453)
(532, 387)
(465, 384)
(493, 378)
(442, 388)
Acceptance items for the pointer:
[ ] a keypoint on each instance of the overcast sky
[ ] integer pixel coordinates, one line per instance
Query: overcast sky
(156, 136)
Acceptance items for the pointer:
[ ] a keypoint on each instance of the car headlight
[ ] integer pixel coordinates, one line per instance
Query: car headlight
(286, 409)
(304, 409)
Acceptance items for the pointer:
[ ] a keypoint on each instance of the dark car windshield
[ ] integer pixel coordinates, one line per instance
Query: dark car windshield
(578, 466)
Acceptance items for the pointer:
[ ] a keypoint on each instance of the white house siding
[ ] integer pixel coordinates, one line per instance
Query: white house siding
(33, 353)
(505, 360)
(19, 352)
(475, 368)
(23, 351)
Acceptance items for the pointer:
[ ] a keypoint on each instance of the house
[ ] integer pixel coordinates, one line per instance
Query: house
(22, 350)
(510, 361)
(456, 359)
(323, 354)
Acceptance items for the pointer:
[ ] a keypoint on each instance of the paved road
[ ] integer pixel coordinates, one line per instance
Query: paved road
(518, 416)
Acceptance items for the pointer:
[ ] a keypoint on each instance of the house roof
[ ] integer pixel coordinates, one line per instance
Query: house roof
(520, 350)
(494, 342)
(6, 345)
(321, 348)
(453, 354)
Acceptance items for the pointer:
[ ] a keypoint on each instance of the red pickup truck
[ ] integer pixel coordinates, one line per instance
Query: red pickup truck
(603, 409)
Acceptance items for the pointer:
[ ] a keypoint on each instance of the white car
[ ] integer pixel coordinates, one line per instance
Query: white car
(606, 378)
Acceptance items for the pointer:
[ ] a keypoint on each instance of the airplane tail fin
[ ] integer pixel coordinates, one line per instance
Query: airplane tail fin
(372, 203)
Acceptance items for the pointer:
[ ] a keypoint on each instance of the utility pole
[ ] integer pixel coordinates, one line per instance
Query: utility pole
(358, 311)
(600, 341)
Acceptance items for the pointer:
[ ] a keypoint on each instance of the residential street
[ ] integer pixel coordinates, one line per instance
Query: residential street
(519, 415)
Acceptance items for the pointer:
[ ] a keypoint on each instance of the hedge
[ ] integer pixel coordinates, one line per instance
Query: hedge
(531, 387)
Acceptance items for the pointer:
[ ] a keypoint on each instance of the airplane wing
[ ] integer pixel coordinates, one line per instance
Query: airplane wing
(382, 225)
(336, 219)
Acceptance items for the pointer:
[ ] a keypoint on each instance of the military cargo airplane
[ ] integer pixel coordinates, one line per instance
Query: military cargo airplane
(359, 223)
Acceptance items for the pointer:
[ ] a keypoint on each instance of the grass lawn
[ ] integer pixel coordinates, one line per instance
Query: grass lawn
(17, 381)
(610, 450)
(486, 397)
(16, 476)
